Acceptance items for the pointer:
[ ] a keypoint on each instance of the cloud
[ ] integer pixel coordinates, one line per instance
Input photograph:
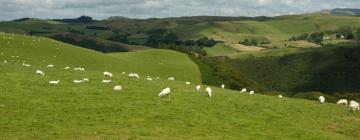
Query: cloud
(100, 9)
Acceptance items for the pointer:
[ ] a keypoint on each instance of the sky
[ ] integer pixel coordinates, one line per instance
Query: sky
(102, 9)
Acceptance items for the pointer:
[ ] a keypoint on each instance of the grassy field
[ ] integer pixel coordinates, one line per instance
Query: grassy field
(30, 108)
(220, 50)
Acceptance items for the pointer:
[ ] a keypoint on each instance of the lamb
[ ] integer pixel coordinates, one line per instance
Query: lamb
(67, 68)
(171, 79)
(117, 88)
(280, 96)
(165, 92)
(39, 72)
(149, 79)
(108, 74)
(252, 92)
(78, 81)
(209, 92)
(188, 83)
(342, 102)
(243, 90)
(198, 87)
(50, 66)
(223, 86)
(322, 99)
(134, 75)
(106, 81)
(54, 82)
(354, 106)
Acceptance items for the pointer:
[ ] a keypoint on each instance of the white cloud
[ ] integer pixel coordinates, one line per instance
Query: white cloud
(99, 9)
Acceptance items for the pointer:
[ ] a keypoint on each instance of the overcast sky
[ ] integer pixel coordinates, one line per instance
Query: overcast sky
(100, 9)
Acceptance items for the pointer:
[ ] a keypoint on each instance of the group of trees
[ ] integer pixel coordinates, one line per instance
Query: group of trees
(317, 37)
(254, 42)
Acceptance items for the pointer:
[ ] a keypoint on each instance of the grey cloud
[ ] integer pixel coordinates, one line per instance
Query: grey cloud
(99, 9)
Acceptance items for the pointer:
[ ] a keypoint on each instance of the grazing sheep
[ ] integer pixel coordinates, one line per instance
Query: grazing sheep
(54, 82)
(252, 92)
(280, 96)
(198, 87)
(78, 81)
(354, 106)
(85, 79)
(322, 99)
(50, 66)
(243, 90)
(149, 79)
(26, 65)
(342, 102)
(208, 92)
(188, 83)
(108, 74)
(117, 88)
(123, 73)
(171, 79)
(5, 61)
(106, 81)
(67, 68)
(158, 77)
(134, 75)
(222, 86)
(79, 69)
(39, 72)
(165, 92)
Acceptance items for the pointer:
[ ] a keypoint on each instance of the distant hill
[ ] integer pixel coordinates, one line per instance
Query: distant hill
(345, 12)
(96, 44)
(82, 19)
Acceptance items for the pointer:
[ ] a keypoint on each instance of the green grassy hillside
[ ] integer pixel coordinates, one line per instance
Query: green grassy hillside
(329, 70)
(30, 108)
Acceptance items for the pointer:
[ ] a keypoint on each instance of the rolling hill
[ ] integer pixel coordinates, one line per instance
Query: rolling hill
(33, 109)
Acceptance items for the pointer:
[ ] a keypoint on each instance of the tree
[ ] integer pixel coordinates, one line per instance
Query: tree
(316, 37)
(357, 35)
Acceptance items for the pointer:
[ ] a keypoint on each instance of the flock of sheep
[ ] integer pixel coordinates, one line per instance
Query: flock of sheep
(353, 104)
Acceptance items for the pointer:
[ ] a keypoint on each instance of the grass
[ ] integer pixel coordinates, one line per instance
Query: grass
(32, 109)
(220, 50)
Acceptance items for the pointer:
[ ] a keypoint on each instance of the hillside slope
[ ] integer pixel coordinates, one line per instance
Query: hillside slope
(328, 70)
(33, 109)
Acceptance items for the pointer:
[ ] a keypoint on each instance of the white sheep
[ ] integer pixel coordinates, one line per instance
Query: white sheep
(78, 81)
(5, 61)
(222, 86)
(50, 66)
(243, 90)
(342, 102)
(149, 79)
(165, 92)
(117, 88)
(198, 87)
(322, 99)
(354, 106)
(54, 82)
(67, 68)
(106, 81)
(39, 72)
(26, 65)
(108, 74)
(123, 73)
(280, 96)
(187, 83)
(252, 92)
(85, 79)
(208, 92)
(171, 79)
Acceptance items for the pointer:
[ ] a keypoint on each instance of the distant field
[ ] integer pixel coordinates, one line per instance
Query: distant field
(219, 50)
